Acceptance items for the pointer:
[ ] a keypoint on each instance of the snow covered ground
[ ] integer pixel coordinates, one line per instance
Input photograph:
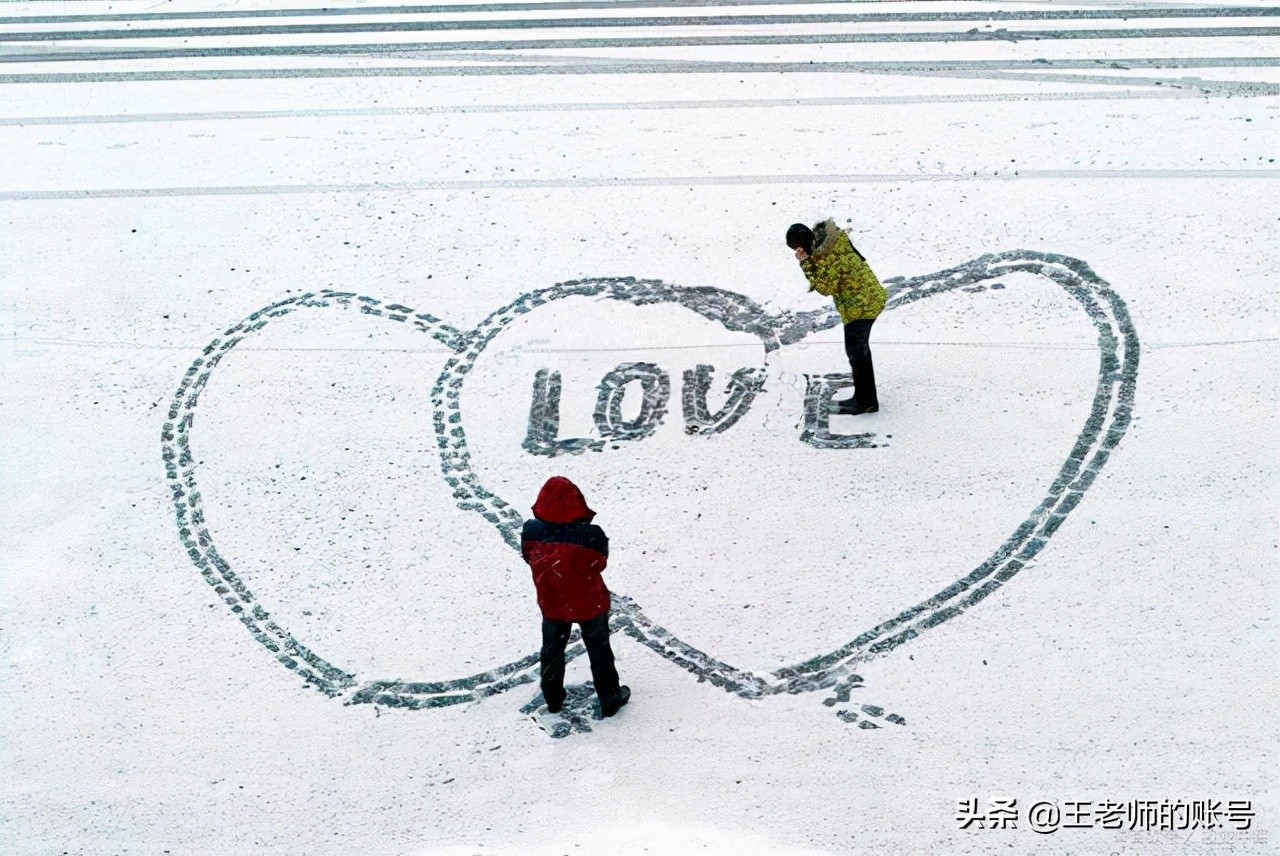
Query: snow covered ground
(284, 292)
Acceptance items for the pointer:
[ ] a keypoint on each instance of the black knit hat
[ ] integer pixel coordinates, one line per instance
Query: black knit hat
(800, 235)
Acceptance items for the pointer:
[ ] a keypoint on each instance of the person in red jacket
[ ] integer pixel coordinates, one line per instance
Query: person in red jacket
(567, 554)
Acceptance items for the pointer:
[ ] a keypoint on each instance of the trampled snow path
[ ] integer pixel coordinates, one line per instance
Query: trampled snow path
(1108, 420)
(590, 195)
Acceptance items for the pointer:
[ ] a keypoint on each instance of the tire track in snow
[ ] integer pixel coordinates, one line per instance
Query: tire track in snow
(373, 48)
(647, 181)
(1208, 87)
(1037, 70)
(591, 106)
(1120, 13)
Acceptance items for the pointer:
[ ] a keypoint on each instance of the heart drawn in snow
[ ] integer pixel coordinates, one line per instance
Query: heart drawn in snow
(1106, 424)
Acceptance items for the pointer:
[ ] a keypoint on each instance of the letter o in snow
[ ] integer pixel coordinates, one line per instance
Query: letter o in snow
(655, 385)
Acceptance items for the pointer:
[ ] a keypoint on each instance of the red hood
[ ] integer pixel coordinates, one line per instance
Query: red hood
(560, 501)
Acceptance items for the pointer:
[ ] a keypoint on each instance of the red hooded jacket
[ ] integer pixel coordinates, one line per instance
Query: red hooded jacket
(567, 554)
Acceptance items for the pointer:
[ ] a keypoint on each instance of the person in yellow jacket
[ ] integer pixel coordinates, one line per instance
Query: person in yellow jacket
(835, 268)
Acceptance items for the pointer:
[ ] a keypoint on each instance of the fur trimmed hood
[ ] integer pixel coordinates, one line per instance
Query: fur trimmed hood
(825, 236)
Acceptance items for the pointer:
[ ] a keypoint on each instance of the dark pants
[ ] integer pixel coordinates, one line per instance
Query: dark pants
(858, 348)
(595, 634)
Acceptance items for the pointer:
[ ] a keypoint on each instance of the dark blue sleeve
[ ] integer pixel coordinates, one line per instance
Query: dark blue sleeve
(580, 534)
(597, 540)
(527, 534)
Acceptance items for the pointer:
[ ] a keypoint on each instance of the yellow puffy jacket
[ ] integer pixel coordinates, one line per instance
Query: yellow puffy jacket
(837, 270)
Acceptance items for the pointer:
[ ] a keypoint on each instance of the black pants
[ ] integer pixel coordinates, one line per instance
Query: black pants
(595, 634)
(858, 349)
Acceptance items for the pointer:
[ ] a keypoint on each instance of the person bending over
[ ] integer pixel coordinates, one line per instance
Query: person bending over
(835, 268)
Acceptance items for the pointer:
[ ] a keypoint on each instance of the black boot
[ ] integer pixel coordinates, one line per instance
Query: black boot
(845, 406)
(617, 702)
(852, 408)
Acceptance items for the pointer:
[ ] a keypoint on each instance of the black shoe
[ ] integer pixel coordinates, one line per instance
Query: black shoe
(619, 701)
(554, 708)
(852, 408)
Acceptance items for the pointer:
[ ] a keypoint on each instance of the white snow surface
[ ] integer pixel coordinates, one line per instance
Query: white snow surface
(152, 199)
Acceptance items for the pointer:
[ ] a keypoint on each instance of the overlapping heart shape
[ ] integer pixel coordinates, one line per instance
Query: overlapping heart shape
(1106, 424)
